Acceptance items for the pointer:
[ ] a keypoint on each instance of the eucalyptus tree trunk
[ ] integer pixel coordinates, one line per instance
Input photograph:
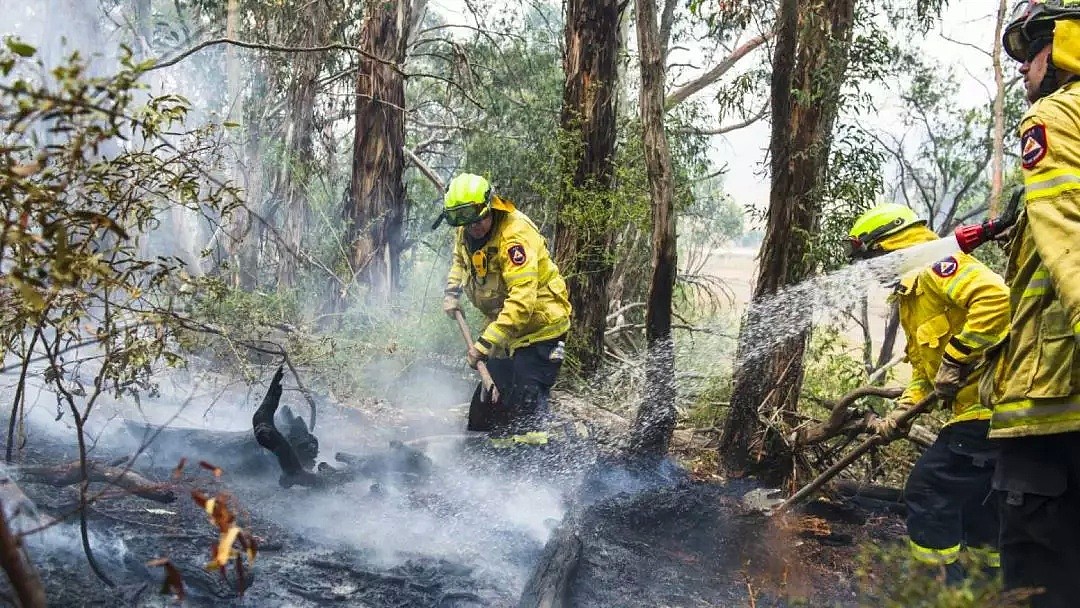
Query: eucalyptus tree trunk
(295, 170)
(585, 235)
(655, 420)
(375, 206)
(809, 66)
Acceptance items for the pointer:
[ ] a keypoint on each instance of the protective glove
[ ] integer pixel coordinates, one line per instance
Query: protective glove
(475, 356)
(950, 379)
(888, 427)
(451, 305)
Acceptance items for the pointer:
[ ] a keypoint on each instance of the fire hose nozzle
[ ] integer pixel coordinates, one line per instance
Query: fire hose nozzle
(971, 236)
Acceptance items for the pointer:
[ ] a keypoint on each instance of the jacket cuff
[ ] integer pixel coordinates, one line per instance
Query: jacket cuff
(957, 352)
(483, 346)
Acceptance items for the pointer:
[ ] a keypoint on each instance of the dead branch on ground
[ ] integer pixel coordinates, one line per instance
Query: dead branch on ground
(123, 478)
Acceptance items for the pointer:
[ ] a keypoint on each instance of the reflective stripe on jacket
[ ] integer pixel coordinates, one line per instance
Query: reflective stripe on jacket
(512, 279)
(1036, 380)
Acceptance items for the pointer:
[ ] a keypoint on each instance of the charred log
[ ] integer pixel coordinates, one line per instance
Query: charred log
(293, 471)
(549, 585)
(296, 453)
(123, 478)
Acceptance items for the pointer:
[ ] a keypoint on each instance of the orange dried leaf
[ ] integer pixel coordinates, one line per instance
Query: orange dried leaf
(179, 468)
(224, 548)
(213, 469)
(199, 498)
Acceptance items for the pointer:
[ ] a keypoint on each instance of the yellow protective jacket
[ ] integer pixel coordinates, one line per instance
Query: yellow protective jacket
(1035, 388)
(512, 279)
(957, 307)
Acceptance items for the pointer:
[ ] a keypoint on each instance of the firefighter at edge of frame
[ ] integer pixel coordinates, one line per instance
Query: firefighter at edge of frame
(1034, 386)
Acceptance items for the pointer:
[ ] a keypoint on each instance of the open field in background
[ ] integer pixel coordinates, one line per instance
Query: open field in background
(736, 267)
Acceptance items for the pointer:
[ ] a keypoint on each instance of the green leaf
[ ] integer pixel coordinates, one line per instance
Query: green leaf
(20, 48)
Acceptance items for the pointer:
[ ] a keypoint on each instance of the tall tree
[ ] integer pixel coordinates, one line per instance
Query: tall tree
(292, 181)
(656, 416)
(809, 66)
(375, 207)
(584, 235)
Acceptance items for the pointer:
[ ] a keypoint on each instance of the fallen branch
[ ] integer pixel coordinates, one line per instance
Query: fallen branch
(842, 419)
(902, 421)
(125, 479)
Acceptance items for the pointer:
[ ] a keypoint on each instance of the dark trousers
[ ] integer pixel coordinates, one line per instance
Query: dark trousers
(1039, 482)
(524, 381)
(948, 494)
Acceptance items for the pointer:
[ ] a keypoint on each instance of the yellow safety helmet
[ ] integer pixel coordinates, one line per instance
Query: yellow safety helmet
(872, 227)
(467, 200)
(1035, 24)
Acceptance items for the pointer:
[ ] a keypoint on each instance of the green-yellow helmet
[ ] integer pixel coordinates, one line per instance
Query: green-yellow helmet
(467, 200)
(871, 227)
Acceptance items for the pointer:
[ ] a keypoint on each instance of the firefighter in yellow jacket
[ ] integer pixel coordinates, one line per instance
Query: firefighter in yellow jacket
(501, 262)
(1035, 387)
(950, 313)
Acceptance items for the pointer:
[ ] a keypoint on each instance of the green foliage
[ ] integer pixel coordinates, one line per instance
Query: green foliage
(832, 368)
(367, 351)
(889, 577)
(87, 165)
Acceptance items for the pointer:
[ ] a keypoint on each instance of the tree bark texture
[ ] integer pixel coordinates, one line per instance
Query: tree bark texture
(809, 65)
(375, 206)
(584, 235)
(549, 584)
(293, 175)
(23, 578)
(655, 420)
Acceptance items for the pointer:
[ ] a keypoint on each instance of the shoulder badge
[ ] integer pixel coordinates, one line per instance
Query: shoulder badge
(516, 253)
(1033, 145)
(945, 268)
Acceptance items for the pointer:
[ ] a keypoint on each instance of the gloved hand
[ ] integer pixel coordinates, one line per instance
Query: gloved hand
(887, 427)
(474, 356)
(950, 379)
(451, 305)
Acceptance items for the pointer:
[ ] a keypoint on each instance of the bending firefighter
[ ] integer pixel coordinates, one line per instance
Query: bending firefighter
(1035, 385)
(950, 313)
(501, 262)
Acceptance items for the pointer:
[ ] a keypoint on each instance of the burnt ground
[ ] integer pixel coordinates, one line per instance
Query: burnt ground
(466, 533)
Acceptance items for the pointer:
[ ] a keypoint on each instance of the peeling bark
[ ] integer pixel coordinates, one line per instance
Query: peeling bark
(375, 207)
(809, 67)
(584, 233)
